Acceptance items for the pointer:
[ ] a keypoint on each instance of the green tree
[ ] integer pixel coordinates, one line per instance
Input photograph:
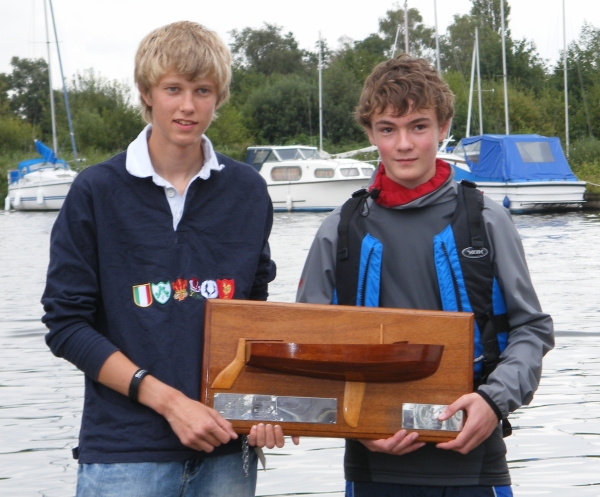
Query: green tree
(29, 91)
(4, 101)
(266, 50)
(421, 38)
(104, 117)
(282, 109)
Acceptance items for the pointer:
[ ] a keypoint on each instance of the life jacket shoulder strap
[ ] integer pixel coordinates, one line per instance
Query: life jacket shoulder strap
(348, 255)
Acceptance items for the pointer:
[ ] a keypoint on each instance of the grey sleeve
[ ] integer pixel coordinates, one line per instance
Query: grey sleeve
(531, 333)
(317, 282)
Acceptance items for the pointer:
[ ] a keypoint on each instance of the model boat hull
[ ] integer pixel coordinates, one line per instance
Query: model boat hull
(395, 362)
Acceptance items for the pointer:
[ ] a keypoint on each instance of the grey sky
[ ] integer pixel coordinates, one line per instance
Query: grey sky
(104, 34)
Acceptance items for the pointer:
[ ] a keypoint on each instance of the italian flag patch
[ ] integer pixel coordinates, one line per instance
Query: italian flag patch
(142, 296)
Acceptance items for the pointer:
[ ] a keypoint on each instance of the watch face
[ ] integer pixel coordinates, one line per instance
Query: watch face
(209, 289)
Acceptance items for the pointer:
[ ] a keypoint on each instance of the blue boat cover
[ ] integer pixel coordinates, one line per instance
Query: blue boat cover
(47, 155)
(515, 158)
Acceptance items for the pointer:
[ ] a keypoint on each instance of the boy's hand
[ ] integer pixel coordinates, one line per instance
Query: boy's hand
(479, 425)
(399, 444)
(268, 436)
(198, 426)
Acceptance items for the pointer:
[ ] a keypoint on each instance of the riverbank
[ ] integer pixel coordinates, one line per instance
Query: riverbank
(592, 201)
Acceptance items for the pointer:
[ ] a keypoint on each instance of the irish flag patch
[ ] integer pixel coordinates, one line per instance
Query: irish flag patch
(142, 295)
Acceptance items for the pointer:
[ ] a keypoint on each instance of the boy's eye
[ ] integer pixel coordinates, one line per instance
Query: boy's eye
(420, 127)
(203, 90)
(385, 130)
(172, 89)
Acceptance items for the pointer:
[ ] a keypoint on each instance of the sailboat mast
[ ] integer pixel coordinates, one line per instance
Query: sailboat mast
(437, 39)
(52, 111)
(406, 26)
(469, 111)
(64, 87)
(320, 94)
(504, 77)
(566, 86)
(479, 98)
(395, 42)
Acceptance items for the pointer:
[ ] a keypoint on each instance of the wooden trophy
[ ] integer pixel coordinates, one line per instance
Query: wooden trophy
(336, 371)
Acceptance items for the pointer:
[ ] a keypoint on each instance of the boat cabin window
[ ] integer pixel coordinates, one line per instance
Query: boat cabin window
(324, 173)
(368, 171)
(258, 157)
(471, 151)
(349, 171)
(535, 151)
(286, 173)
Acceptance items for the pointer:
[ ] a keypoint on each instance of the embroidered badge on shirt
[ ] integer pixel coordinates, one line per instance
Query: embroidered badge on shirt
(195, 290)
(209, 290)
(180, 287)
(142, 295)
(226, 288)
(161, 291)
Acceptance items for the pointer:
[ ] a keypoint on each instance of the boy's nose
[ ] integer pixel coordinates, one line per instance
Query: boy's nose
(186, 104)
(403, 142)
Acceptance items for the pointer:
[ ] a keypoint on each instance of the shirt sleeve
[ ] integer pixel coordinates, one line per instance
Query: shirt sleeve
(531, 333)
(266, 269)
(317, 282)
(72, 298)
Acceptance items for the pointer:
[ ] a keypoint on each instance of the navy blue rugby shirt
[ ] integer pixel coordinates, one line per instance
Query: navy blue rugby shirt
(122, 278)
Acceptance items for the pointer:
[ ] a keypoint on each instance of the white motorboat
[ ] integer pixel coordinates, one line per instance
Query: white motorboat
(299, 179)
(39, 184)
(525, 173)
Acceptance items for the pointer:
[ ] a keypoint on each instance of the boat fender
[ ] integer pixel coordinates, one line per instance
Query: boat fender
(7, 203)
(40, 197)
(17, 201)
(288, 203)
(506, 202)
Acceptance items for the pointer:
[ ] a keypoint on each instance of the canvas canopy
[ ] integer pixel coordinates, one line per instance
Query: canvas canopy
(515, 158)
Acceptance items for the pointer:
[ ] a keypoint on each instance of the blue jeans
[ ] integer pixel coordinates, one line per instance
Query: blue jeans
(221, 476)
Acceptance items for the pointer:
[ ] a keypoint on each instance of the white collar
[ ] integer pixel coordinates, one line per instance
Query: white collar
(138, 161)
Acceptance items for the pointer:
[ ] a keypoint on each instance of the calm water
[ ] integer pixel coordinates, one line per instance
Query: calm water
(555, 449)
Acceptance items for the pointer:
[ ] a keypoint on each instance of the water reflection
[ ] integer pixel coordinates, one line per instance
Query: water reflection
(555, 449)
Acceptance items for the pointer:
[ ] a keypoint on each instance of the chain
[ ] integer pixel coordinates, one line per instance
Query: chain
(245, 455)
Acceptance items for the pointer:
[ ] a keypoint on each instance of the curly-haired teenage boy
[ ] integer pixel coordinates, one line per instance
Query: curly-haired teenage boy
(419, 240)
(141, 242)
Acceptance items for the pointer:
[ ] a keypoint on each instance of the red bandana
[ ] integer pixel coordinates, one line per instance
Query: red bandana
(393, 194)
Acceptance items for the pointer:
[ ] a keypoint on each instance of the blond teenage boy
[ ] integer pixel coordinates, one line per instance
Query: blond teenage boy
(141, 242)
(417, 239)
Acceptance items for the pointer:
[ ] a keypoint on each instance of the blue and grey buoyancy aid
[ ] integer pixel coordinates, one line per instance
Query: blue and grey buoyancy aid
(463, 263)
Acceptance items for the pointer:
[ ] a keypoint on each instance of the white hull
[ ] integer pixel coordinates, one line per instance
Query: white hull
(524, 196)
(314, 196)
(536, 196)
(41, 190)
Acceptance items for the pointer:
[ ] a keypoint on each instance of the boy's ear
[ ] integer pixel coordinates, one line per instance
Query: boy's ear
(444, 130)
(145, 97)
(371, 136)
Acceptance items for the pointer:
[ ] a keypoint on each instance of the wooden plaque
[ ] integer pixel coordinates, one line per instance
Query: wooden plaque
(365, 409)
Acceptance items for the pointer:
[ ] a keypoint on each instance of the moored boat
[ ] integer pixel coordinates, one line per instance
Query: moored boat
(299, 179)
(525, 173)
(39, 184)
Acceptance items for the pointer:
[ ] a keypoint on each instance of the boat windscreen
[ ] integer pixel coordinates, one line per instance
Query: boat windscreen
(290, 154)
(310, 153)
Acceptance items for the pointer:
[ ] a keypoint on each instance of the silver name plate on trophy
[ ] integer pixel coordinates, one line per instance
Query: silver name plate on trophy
(425, 417)
(272, 408)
